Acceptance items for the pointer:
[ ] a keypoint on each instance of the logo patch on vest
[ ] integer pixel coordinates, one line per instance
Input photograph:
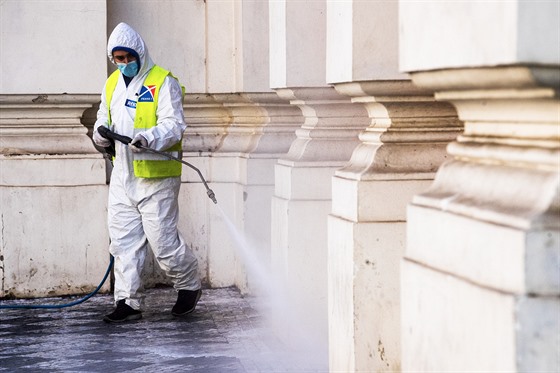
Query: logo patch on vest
(130, 104)
(147, 93)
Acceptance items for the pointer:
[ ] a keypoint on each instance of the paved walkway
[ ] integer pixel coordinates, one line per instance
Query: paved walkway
(224, 334)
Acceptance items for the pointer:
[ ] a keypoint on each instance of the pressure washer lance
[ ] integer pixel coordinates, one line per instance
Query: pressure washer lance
(110, 135)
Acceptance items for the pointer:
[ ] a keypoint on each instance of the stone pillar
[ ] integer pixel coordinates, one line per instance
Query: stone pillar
(303, 192)
(398, 156)
(481, 278)
(302, 202)
(53, 198)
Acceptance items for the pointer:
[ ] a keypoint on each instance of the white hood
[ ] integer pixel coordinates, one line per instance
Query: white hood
(125, 36)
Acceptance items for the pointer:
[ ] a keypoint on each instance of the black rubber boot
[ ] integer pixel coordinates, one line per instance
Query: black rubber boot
(123, 313)
(186, 302)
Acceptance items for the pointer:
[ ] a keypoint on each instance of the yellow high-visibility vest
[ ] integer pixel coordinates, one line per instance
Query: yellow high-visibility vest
(148, 165)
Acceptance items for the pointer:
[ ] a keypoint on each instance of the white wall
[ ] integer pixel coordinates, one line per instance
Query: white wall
(174, 33)
(297, 54)
(256, 47)
(487, 33)
(362, 41)
(52, 46)
(204, 43)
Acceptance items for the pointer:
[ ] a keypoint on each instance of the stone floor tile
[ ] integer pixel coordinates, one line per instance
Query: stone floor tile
(224, 334)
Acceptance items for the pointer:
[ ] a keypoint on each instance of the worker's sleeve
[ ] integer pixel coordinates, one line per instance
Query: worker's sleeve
(102, 115)
(170, 119)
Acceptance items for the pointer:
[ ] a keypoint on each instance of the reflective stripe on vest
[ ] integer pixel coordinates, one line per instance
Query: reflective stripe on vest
(148, 165)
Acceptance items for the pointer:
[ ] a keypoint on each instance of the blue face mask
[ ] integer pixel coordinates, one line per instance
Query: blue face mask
(128, 69)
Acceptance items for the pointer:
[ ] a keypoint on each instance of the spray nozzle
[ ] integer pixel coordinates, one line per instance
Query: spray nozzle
(212, 196)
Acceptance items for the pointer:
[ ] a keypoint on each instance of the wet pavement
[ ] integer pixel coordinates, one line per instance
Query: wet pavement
(224, 334)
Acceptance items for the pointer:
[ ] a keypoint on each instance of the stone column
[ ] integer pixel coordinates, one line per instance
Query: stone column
(398, 156)
(53, 198)
(302, 202)
(481, 278)
(303, 191)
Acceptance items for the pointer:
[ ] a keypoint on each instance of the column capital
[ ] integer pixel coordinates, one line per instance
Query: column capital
(330, 130)
(407, 134)
(510, 140)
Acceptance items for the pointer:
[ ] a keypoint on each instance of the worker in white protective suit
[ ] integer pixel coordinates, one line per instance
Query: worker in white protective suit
(144, 102)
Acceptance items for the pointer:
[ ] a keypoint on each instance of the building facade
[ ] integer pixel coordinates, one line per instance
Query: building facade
(394, 164)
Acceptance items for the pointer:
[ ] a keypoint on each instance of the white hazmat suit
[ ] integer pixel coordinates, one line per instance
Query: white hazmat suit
(142, 211)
